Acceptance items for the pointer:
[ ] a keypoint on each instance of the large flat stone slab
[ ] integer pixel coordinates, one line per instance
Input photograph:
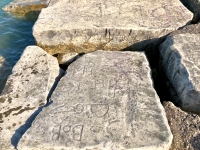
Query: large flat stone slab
(26, 90)
(184, 126)
(180, 61)
(89, 25)
(23, 7)
(106, 101)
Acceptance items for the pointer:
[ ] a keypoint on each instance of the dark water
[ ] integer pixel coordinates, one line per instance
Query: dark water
(15, 35)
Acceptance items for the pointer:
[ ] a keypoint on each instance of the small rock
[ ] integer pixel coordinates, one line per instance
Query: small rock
(67, 58)
(23, 7)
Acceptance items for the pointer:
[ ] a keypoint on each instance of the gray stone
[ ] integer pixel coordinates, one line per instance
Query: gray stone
(5, 71)
(25, 6)
(185, 128)
(193, 6)
(27, 89)
(180, 60)
(89, 25)
(105, 101)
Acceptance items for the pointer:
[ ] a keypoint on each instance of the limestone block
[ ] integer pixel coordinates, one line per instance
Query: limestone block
(26, 89)
(180, 61)
(105, 101)
(25, 6)
(89, 25)
(184, 126)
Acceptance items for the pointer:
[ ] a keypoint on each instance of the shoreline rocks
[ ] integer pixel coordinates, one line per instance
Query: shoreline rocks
(85, 26)
(26, 90)
(23, 7)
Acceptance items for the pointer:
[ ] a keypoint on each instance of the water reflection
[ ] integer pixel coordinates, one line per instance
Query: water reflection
(15, 35)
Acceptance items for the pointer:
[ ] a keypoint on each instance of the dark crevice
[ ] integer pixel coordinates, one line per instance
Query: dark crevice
(65, 65)
(61, 74)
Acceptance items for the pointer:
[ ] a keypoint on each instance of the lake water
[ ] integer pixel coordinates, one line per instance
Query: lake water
(15, 35)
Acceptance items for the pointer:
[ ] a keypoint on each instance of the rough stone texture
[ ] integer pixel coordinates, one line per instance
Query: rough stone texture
(5, 68)
(88, 25)
(180, 60)
(26, 89)
(191, 29)
(25, 6)
(106, 101)
(193, 6)
(185, 128)
(67, 57)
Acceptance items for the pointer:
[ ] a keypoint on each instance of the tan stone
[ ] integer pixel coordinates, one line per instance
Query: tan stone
(24, 7)
(89, 25)
(184, 126)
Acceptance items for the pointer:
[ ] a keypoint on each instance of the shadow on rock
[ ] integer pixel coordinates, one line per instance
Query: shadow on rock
(195, 142)
(22, 129)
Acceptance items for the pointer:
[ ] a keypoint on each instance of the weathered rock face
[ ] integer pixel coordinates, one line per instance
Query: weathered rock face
(185, 128)
(26, 89)
(106, 101)
(180, 54)
(193, 6)
(25, 6)
(5, 68)
(84, 26)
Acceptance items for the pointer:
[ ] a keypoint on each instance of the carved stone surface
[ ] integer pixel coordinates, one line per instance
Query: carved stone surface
(25, 6)
(185, 128)
(88, 25)
(105, 101)
(26, 89)
(180, 60)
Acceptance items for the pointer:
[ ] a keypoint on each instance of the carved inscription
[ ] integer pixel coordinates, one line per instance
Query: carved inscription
(70, 132)
(99, 106)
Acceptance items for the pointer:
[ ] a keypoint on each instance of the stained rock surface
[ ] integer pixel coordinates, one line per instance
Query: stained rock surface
(25, 6)
(26, 89)
(105, 101)
(184, 126)
(89, 25)
(180, 60)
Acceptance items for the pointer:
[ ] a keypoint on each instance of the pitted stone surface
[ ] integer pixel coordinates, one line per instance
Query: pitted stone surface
(25, 6)
(89, 25)
(26, 89)
(105, 101)
(185, 128)
(180, 54)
